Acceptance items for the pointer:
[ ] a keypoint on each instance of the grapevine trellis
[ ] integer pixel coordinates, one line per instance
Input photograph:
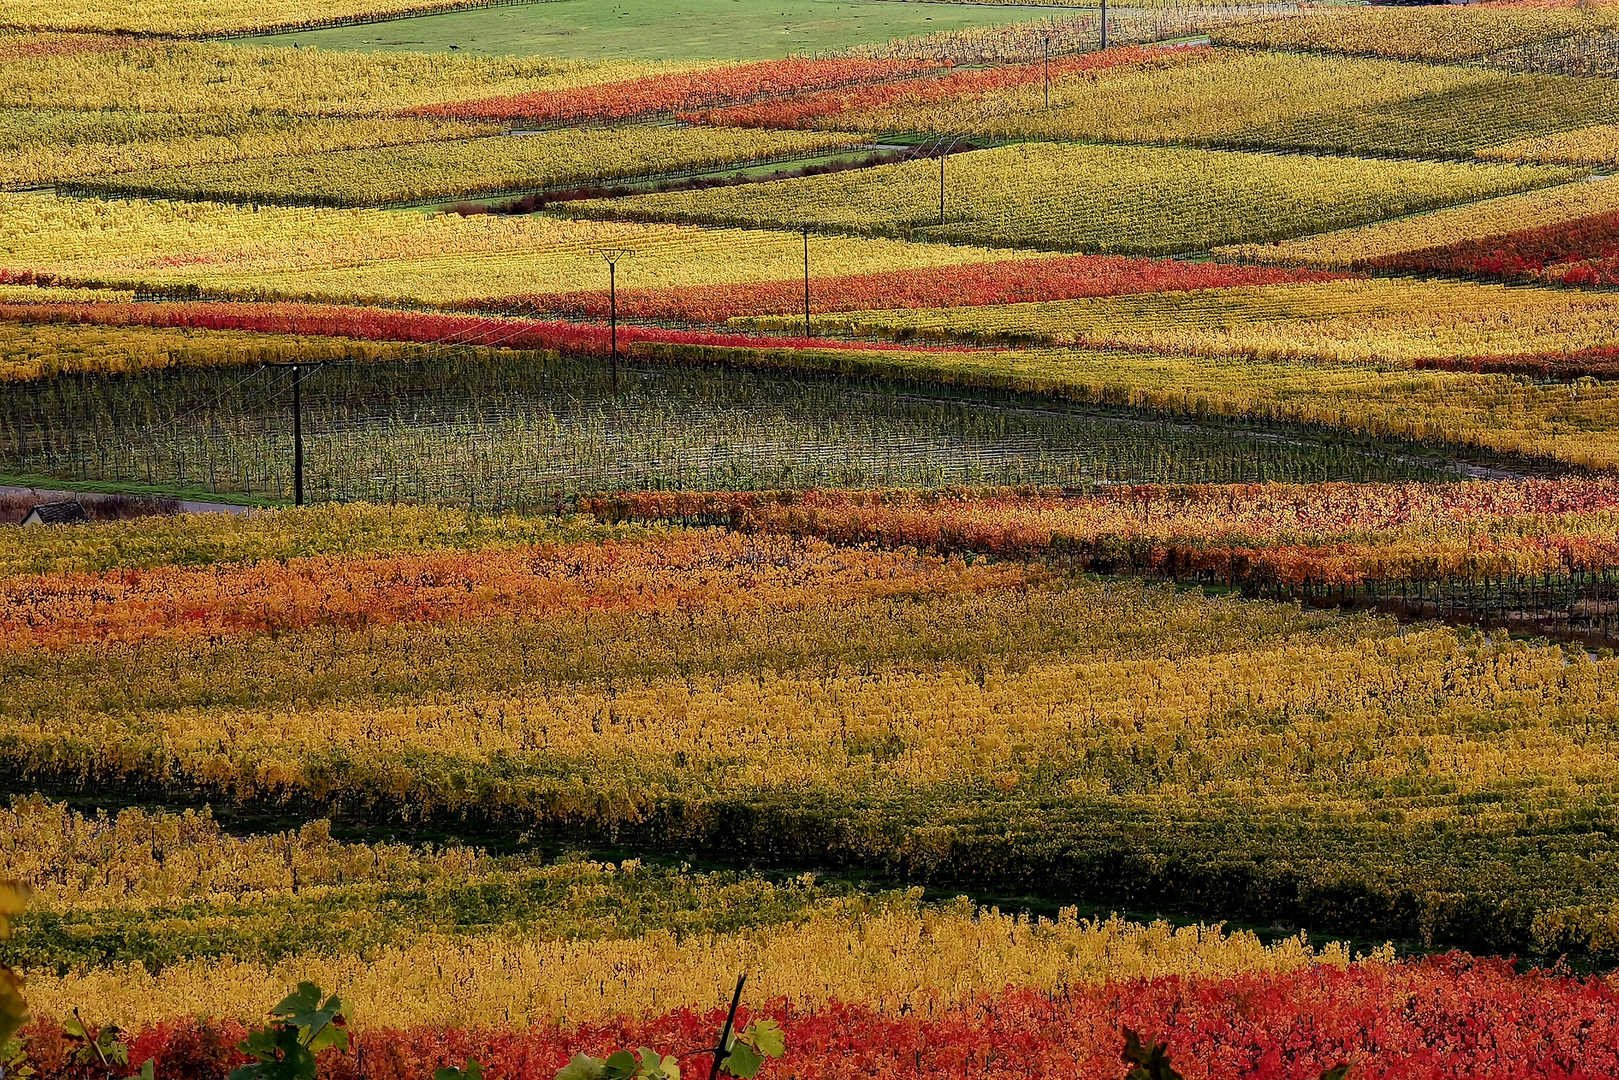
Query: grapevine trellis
(517, 431)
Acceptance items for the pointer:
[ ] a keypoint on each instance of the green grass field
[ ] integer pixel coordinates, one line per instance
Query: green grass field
(662, 29)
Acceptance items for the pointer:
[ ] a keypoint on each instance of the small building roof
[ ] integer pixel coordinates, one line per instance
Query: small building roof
(65, 512)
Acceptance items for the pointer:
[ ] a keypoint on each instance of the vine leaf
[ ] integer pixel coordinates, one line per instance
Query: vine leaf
(620, 1065)
(319, 1026)
(13, 1009)
(102, 1046)
(303, 1026)
(752, 1047)
(14, 1061)
(655, 1066)
(1150, 1060)
(741, 1054)
(743, 1061)
(583, 1067)
(766, 1037)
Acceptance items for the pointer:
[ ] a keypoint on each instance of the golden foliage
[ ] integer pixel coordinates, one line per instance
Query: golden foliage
(199, 18)
(204, 77)
(1376, 321)
(386, 256)
(352, 529)
(1422, 33)
(13, 1009)
(140, 858)
(1208, 99)
(30, 351)
(890, 960)
(1597, 144)
(49, 145)
(1348, 248)
(448, 169)
(37, 294)
(1136, 200)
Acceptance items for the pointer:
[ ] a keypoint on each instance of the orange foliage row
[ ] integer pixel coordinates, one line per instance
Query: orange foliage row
(1013, 281)
(36, 46)
(818, 109)
(684, 91)
(1271, 535)
(685, 571)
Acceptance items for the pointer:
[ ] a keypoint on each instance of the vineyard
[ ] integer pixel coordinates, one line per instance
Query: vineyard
(446, 170)
(967, 732)
(1139, 201)
(200, 19)
(1390, 321)
(835, 539)
(521, 430)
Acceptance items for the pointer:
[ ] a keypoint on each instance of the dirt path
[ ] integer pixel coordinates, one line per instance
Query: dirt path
(186, 505)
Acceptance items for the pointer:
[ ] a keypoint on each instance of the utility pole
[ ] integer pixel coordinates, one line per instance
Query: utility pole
(297, 428)
(611, 256)
(1104, 24)
(297, 435)
(944, 152)
(806, 282)
(1048, 71)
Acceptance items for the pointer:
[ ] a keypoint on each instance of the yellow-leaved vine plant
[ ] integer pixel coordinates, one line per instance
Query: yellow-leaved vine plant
(13, 1009)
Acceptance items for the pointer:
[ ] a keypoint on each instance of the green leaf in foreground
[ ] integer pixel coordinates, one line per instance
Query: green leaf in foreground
(583, 1067)
(13, 1009)
(766, 1037)
(743, 1061)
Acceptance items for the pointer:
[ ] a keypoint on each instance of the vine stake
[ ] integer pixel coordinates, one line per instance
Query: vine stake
(723, 1050)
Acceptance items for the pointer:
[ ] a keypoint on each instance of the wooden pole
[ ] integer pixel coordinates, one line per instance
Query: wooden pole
(297, 436)
(611, 256)
(723, 1050)
(297, 427)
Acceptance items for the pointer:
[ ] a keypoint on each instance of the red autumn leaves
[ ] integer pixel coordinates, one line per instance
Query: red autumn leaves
(1005, 282)
(1584, 251)
(810, 109)
(684, 92)
(978, 284)
(378, 324)
(1449, 1016)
